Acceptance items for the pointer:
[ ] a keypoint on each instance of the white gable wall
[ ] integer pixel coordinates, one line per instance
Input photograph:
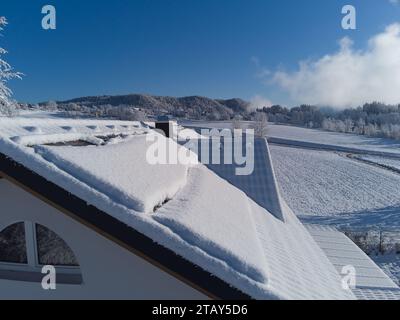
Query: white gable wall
(108, 270)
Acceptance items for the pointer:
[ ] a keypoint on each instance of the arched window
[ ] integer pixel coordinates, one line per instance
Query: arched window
(52, 250)
(13, 244)
(26, 247)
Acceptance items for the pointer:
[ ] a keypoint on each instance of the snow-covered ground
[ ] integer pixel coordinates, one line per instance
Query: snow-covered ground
(326, 188)
(325, 184)
(337, 189)
(40, 114)
(334, 139)
(310, 135)
(313, 138)
(388, 162)
(390, 264)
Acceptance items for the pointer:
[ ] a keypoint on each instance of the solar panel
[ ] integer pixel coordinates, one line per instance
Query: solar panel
(260, 185)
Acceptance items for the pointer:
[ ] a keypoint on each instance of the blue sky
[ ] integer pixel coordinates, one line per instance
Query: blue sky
(175, 47)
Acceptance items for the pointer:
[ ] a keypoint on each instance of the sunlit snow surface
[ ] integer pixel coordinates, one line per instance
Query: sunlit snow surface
(326, 187)
(208, 221)
(320, 183)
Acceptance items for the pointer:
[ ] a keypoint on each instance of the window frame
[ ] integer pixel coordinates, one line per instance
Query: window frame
(33, 266)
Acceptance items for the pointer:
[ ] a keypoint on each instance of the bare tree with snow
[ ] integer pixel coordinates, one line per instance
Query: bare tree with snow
(236, 123)
(260, 124)
(7, 104)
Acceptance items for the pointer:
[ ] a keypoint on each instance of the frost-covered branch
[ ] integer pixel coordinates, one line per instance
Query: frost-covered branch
(7, 104)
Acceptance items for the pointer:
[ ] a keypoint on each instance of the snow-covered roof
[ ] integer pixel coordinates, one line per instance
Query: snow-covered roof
(42, 128)
(259, 184)
(207, 220)
(120, 171)
(371, 281)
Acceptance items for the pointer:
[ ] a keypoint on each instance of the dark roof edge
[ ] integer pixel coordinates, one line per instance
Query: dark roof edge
(118, 232)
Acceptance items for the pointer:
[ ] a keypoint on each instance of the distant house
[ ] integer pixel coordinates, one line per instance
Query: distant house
(81, 196)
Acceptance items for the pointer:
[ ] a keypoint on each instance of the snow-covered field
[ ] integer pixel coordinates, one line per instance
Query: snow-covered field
(330, 187)
(390, 264)
(336, 189)
(312, 136)
(334, 139)
(388, 162)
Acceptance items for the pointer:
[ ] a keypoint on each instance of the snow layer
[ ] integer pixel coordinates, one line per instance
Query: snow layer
(298, 268)
(216, 217)
(55, 138)
(324, 183)
(314, 138)
(260, 183)
(353, 141)
(121, 171)
(281, 256)
(142, 222)
(209, 222)
(390, 163)
(343, 252)
(187, 134)
(17, 127)
(218, 252)
(391, 265)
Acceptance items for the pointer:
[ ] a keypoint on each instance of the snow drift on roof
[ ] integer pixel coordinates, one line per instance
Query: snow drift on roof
(55, 138)
(35, 127)
(216, 217)
(298, 268)
(121, 171)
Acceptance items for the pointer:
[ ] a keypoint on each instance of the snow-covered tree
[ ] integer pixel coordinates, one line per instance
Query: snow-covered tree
(328, 124)
(371, 130)
(7, 104)
(236, 123)
(260, 124)
(51, 105)
(360, 126)
(349, 125)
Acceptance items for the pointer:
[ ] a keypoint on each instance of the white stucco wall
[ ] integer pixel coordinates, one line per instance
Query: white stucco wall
(109, 271)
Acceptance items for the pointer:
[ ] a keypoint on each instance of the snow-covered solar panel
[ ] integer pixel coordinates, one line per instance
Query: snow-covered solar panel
(260, 185)
(372, 283)
(377, 294)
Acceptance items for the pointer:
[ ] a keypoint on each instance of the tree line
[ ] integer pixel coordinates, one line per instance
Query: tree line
(372, 119)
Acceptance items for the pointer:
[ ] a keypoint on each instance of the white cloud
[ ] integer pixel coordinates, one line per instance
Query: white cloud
(349, 77)
(261, 71)
(258, 102)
